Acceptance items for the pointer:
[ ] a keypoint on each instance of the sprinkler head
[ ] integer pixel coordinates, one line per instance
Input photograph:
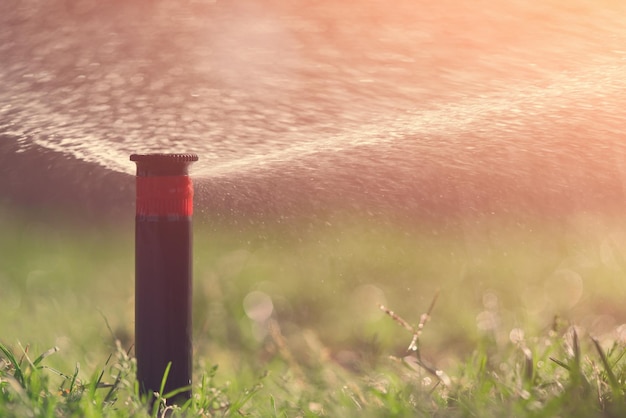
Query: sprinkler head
(149, 165)
(163, 185)
(163, 273)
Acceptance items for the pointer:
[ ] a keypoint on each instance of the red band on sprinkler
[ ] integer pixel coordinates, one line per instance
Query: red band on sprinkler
(164, 196)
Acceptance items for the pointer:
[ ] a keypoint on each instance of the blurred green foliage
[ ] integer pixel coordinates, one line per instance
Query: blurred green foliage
(299, 303)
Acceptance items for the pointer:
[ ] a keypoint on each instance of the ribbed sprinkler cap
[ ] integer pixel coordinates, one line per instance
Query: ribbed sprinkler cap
(163, 164)
(164, 188)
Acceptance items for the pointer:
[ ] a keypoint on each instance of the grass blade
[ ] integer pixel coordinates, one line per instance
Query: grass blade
(43, 355)
(164, 379)
(607, 367)
(560, 363)
(18, 373)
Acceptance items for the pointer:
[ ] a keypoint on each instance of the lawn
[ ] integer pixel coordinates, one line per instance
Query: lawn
(526, 318)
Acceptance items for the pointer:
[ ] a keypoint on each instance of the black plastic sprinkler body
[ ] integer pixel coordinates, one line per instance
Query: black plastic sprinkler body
(163, 273)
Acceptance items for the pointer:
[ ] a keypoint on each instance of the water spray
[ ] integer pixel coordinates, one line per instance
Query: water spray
(163, 273)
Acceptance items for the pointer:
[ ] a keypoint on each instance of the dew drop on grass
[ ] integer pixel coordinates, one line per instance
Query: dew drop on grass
(258, 306)
(516, 335)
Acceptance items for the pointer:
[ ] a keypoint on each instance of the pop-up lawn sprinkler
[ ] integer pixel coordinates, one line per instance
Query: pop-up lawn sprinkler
(163, 272)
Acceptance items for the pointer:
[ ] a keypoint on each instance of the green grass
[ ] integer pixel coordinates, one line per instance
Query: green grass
(287, 319)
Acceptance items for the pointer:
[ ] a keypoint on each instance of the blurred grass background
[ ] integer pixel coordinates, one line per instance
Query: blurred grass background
(316, 285)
